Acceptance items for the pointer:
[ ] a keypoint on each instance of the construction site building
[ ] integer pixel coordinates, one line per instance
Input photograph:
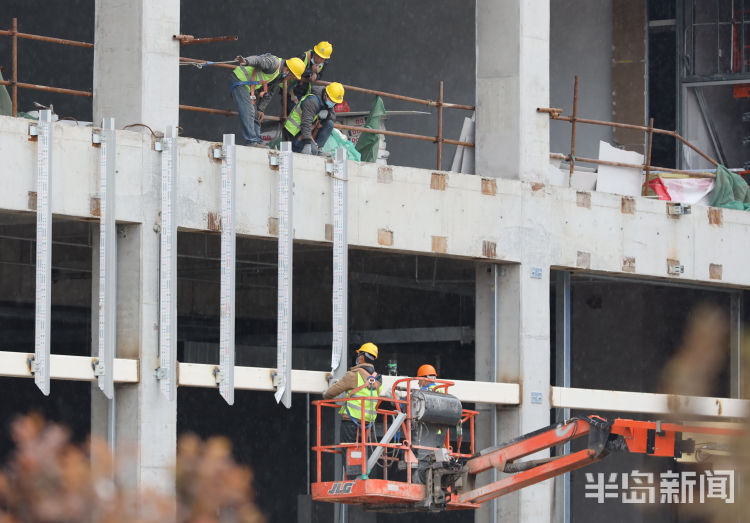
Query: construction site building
(539, 300)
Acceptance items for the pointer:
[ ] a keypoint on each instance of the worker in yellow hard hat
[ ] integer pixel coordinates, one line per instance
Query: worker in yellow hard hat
(315, 60)
(254, 83)
(314, 108)
(427, 373)
(360, 381)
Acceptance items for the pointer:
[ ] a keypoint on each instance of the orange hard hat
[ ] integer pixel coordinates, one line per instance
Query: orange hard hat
(426, 370)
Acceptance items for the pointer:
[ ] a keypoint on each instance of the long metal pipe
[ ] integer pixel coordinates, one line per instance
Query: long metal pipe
(46, 88)
(429, 103)
(14, 33)
(694, 174)
(14, 73)
(554, 115)
(402, 135)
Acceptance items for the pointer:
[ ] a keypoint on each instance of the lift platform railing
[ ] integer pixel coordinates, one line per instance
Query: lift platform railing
(556, 114)
(393, 411)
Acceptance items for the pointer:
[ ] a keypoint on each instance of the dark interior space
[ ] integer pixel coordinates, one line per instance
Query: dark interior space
(624, 332)
(662, 80)
(71, 284)
(393, 300)
(67, 404)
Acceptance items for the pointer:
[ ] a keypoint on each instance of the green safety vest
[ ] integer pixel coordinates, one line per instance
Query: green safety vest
(251, 74)
(294, 121)
(353, 408)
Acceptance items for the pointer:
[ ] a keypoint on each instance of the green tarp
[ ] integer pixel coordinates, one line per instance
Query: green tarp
(337, 140)
(368, 143)
(6, 106)
(730, 190)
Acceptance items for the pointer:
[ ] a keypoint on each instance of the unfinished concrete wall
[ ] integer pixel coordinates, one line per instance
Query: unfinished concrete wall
(581, 44)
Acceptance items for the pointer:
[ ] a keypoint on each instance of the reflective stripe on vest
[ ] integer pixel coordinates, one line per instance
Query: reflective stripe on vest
(294, 122)
(353, 408)
(254, 76)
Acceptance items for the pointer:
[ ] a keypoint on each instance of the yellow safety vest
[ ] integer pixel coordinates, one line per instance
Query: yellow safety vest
(294, 121)
(353, 408)
(251, 74)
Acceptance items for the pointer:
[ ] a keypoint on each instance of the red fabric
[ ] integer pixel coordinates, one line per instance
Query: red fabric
(343, 107)
(659, 188)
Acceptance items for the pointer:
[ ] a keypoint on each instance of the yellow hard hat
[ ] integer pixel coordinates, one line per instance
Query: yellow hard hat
(370, 348)
(296, 66)
(335, 92)
(323, 49)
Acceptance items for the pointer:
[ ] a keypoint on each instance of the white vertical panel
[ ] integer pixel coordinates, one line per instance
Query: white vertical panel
(168, 266)
(284, 340)
(228, 253)
(107, 259)
(340, 264)
(42, 329)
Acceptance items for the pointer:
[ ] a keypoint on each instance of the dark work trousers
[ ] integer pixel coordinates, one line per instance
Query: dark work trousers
(349, 433)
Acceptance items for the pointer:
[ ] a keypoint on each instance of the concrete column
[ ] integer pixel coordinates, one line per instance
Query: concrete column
(146, 422)
(136, 62)
(523, 356)
(512, 139)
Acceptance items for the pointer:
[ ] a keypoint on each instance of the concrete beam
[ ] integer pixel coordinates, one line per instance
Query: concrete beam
(315, 382)
(645, 403)
(461, 216)
(66, 367)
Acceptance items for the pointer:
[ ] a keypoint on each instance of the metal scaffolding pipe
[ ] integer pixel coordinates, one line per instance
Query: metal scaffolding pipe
(13, 33)
(46, 88)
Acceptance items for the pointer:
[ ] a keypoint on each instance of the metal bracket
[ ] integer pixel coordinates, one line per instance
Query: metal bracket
(217, 153)
(98, 367)
(329, 167)
(536, 398)
(674, 268)
(677, 208)
(96, 138)
(218, 375)
(275, 379)
(158, 146)
(273, 159)
(160, 373)
(32, 364)
(536, 273)
(33, 129)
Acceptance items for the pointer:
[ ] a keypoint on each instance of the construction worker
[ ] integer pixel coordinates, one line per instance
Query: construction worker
(427, 372)
(254, 83)
(316, 106)
(315, 60)
(360, 381)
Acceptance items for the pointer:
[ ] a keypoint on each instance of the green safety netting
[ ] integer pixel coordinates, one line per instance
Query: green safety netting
(369, 143)
(730, 190)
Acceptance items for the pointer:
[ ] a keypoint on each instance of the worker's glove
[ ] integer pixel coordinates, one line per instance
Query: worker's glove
(323, 114)
(240, 59)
